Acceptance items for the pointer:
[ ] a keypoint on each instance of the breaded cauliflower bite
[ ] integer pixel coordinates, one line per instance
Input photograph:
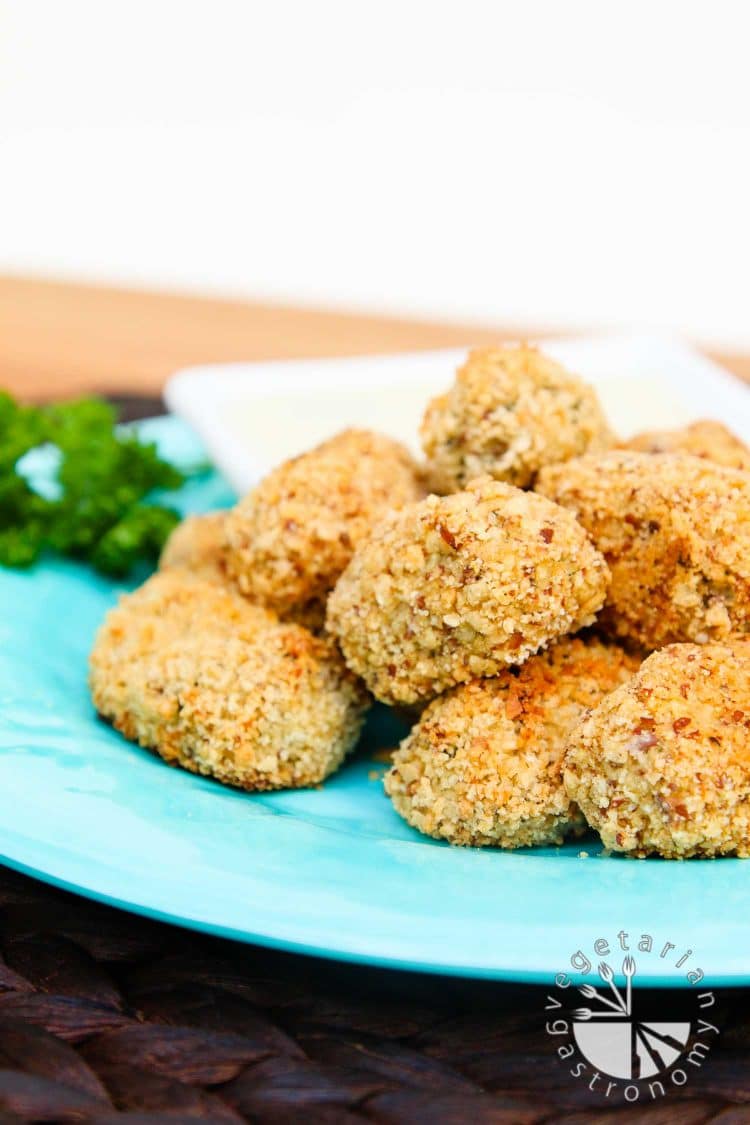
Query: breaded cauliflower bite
(291, 537)
(706, 439)
(484, 763)
(456, 587)
(197, 545)
(510, 411)
(662, 765)
(221, 687)
(675, 531)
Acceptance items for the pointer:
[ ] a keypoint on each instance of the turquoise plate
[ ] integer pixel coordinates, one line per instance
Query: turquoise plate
(334, 871)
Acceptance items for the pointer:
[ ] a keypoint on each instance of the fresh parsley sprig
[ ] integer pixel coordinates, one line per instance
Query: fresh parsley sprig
(96, 509)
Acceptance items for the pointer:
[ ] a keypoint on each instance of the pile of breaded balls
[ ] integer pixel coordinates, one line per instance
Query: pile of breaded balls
(565, 618)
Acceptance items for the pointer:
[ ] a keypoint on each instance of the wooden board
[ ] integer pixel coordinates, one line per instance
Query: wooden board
(60, 338)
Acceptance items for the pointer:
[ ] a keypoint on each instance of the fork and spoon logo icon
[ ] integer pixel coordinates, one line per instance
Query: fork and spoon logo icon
(616, 1043)
(620, 1007)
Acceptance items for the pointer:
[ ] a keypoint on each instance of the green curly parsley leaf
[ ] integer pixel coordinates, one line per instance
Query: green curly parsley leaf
(140, 534)
(95, 509)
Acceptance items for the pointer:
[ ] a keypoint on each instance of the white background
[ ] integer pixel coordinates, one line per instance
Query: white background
(568, 163)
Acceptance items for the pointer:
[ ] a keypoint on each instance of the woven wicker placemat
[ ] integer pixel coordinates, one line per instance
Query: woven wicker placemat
(106, 1016)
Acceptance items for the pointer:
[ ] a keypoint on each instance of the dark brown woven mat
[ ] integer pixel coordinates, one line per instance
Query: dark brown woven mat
(106, 1017)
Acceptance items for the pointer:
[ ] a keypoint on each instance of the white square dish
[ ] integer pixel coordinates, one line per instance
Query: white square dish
(251, 416)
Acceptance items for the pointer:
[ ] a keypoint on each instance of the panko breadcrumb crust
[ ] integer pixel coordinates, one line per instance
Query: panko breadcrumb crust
(221, 687)
(290, 538)
(510, 411)
(663, 763)
(457, 587)
(675, 531)
(197, 545)
(484, 763)
(707, 439)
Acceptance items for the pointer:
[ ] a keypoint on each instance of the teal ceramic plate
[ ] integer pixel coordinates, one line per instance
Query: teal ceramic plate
(333, 871)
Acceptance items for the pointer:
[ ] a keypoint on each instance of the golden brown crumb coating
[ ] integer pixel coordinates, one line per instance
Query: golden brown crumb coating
(290, 538)
(707, 439)
(663, 763)
(197, 545)
(675, 531)
(460, 586)
(484, 763)
(510, 411)
(221, 687)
